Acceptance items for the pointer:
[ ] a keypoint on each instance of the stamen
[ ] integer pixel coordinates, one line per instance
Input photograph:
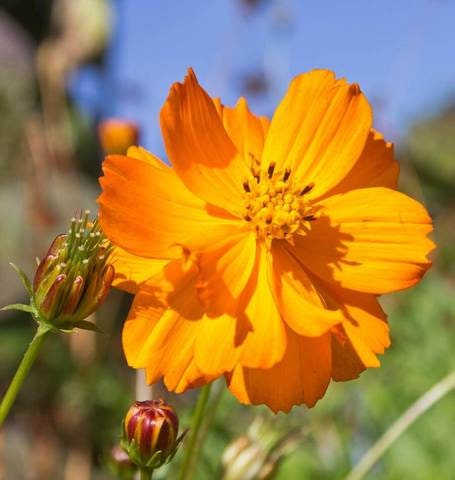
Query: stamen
(307, 189)
(271, 169)
(275, 206)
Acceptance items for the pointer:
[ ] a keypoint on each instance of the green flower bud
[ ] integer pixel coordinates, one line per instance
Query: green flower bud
(74, 277)
(150, 431)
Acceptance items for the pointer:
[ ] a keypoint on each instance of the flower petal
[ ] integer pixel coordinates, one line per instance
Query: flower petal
(225, 268)
(142, 154)
(161, 328)
(218, 346)
(131, 270)
(261, 326)
(199, 148)
(372, 240)
(376, 167)
(366, 324)
(363, 334)
(147, 210)
(246, 130)
(346, 364)
(319, 130)
(253, 334)
(300, 304)
(302, 376)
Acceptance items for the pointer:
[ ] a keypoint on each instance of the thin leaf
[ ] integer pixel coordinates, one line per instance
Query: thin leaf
(19, 306)
(84, 325)
(23, 277)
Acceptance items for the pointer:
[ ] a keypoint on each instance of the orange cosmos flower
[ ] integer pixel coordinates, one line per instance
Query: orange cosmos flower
(260, 254)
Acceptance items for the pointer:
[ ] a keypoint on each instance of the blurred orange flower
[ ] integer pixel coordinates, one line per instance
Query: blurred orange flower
(116, 135)
(261, 253)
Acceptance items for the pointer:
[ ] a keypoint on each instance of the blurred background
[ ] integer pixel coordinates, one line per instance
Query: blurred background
(66, 66)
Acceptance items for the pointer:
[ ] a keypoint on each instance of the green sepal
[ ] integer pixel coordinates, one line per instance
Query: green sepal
(178, 443)
(133, 451)
(21, 307)
(85, 325)
(157, 460)
(23, 277)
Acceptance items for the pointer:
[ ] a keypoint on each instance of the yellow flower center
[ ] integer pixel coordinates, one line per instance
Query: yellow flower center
(275, 206)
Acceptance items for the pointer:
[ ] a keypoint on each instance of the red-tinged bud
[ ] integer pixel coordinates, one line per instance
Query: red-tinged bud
(49, 260)
(99, 286)
(74, 295)
(50, 304)
(74, 278)
(150, 433)
(116, 135)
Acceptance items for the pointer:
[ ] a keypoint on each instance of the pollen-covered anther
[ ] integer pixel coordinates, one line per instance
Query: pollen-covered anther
(274, 206)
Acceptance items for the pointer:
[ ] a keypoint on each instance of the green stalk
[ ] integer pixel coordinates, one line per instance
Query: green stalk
(146, 474)
(22, 372)
(417, 409)
(191, 455)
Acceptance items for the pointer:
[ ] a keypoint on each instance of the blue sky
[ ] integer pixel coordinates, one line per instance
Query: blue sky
(402, 53)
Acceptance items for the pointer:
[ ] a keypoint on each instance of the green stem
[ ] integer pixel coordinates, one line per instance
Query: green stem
(22, 372)
(190, 453)
(146, 474)
(417, 409)
(215, 401)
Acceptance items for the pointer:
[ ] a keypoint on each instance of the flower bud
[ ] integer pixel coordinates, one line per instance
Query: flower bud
(117, 135)
(120, 464)
(74, 277)
(150, 431)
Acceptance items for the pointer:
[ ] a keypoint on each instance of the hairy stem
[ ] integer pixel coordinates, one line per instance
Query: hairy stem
(22, 372)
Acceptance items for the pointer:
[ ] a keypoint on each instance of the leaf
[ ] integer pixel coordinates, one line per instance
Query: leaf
(23, 277)
(19, 306)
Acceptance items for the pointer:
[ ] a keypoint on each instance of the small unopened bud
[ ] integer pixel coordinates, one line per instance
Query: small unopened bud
(116, 135)
(120, 464)
(74, 277)
(150, 431)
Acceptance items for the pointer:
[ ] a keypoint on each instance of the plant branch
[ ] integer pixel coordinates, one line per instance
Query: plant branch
(22, 372)
(416, 410)
(191, 454)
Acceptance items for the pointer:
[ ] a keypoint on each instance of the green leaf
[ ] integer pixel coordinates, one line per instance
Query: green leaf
(23, 277)
(19, 306)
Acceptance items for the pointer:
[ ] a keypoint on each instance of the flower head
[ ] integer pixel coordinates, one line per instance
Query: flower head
(150, 430)
(74, 277)
(260, 254)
